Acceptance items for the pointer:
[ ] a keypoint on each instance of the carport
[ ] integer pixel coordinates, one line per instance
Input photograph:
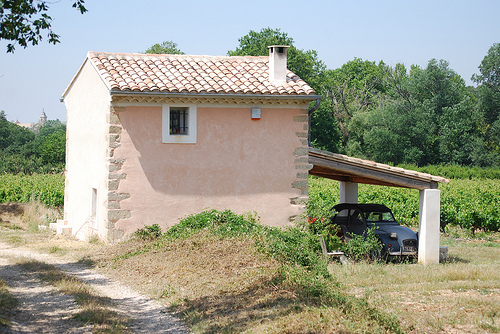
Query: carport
(352, 171)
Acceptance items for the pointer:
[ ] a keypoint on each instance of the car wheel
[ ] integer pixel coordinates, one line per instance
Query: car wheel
(376, 255)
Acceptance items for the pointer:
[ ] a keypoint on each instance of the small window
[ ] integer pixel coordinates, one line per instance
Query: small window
(93, 208)
(179, 124)
(179, 121)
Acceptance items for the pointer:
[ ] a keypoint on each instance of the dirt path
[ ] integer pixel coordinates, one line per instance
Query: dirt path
(43, 310)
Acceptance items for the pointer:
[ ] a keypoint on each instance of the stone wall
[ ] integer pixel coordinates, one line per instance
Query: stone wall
(114, 165)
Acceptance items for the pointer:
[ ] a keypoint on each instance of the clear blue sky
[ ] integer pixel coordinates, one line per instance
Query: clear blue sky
(409, 32)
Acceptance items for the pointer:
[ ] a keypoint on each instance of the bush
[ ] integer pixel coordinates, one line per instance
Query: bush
(223, 223)
(149, 232)
(331, 232)
(302, 270)
(364, 247)
(293, 245)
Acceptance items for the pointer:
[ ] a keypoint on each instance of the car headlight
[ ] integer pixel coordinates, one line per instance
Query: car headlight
(393, 235)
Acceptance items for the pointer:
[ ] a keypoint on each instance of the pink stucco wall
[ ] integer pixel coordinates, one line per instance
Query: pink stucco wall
(237, 163)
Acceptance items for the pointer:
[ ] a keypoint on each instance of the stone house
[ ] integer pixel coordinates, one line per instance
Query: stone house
(153, 138)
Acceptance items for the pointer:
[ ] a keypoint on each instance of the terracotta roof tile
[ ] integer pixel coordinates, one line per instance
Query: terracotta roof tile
(193, 74)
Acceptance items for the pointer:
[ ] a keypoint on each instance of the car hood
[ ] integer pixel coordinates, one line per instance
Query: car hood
(402, 231)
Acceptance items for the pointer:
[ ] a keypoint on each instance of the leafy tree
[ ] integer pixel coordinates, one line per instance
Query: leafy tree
(325, 133)
(490, 69)
(257, 43)
(488, 93)
(458, 129)
(374, 136)
(397, 82)
(303, 63)
(353, 88)
(50, 127)
(424, 116)
(12, 136)
(23, 151)
(167, 47)
(4, 130)
(23, 21)
(53, 148)
(437, 84)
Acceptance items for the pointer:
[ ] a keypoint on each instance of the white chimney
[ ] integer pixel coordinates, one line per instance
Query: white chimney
(277, 63)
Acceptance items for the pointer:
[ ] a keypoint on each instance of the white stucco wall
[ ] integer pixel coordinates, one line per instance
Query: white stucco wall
(429, 221)
(87, 105)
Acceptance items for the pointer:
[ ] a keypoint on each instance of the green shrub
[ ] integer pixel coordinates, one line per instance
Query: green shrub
(364, 247)
(293, 245)
(330, 232)
(302, 269)
(224, 223)
(149, 232)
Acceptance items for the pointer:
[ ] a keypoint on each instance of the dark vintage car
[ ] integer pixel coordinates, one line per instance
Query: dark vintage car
(357, 218)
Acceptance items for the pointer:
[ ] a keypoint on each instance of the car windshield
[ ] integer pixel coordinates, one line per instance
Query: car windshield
(379, 217)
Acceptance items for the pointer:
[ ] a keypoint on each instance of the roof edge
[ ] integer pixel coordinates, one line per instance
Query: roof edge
(378, 166)
(87, 59)
(66, 91)
(217, 95)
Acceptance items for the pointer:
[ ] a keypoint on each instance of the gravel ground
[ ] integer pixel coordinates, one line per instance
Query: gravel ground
(42, 309)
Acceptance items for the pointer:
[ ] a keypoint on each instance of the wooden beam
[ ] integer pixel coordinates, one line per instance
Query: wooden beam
(350, 172)
(321, 172)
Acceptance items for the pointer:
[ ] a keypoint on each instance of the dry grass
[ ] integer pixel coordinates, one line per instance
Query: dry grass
(7, 304)
(221, 285)
(200, 263)
(27, 216)
(459, 296)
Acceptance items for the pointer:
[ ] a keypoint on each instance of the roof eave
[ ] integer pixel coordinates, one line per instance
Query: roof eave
(343, 168)
(215, 95)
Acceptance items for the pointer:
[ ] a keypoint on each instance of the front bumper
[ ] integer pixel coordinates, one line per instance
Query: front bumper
(409, 248)
(401, 253)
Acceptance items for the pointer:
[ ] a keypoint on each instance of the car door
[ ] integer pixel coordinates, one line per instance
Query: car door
(357, 224)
